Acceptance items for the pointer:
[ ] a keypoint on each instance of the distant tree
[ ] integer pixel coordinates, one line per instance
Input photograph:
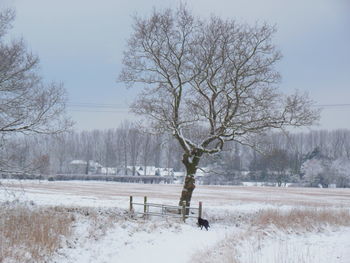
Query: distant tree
(134, 144)
(145, 149)
(86, 149)
(211, 73)
(277, 162)
(341, 169)
(43, 164)
(236, 160)
(157, 149)
(315, 154)
(318, 172)
(122, 141)
(62, 151)
(110, 148)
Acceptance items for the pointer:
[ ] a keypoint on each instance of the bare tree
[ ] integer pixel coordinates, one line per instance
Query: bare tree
(122, 142)
(277, 161)
(145, 149)
(213, 73)
(134, 142)
(27, 105)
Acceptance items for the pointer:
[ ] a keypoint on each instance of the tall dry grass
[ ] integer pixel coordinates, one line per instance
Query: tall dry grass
(262, 226)
(301, 219)
(31, 234)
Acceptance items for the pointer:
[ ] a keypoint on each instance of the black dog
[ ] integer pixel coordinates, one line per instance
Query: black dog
(202, 222)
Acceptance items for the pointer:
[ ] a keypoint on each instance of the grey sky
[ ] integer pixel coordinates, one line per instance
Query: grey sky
(81, 43)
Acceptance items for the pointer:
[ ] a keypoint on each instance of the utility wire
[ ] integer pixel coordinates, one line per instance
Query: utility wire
(333, 105)
(111, 111)
(95, 107)
(119, 106)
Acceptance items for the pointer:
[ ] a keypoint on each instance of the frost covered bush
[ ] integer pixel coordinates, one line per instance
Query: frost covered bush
(341, 168)
(325, 172)
(316, 171)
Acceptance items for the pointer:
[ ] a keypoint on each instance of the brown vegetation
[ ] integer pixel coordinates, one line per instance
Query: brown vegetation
(263, 224)
(30, 234)
(301, 219)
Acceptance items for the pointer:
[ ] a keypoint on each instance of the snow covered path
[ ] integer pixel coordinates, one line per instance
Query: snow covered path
(173, 243)
(180, 245)
(171, 247)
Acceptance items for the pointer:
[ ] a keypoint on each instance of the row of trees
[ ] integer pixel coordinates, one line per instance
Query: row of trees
(282, 158)
(121, 147)
(292, 158)
(320, 170)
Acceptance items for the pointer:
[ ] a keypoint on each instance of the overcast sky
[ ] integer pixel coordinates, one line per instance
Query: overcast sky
(81, 42)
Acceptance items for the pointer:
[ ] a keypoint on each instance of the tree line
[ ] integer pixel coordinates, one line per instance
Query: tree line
(281, 157)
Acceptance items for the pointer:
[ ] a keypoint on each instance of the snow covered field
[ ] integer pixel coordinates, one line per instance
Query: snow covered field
(105, 232)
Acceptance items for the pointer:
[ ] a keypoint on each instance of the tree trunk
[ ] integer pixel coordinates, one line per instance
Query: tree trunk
(189, 182)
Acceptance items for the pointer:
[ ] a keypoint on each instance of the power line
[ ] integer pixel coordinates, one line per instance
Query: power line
(119, 106)
(115, 111)
(333, 105)
(95, 107)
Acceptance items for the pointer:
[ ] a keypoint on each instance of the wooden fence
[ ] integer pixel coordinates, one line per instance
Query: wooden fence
(183, 211)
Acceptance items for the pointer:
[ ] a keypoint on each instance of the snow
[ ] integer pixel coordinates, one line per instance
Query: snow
(171, 247)
(159, 240)
(327, 247)
(78, 162)
(131, 241)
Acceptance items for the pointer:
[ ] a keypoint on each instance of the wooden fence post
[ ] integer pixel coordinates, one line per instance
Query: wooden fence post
(200, 209)
(130, 203)
(184, 211)
(145, 206)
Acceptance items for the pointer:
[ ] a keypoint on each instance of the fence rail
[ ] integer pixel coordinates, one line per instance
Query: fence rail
(183, 211)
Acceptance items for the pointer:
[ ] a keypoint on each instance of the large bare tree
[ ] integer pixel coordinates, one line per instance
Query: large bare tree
(27, 105)
(208, 81)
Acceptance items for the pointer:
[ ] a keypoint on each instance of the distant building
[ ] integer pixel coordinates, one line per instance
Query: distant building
(92, 167)
(149, 171)
(109, 170)
(85, 167)
(202, 172)
(179, 177)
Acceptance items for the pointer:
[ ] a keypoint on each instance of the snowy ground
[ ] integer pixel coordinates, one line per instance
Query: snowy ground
(158, 240)
(327, 247)
(148, 242)
(111, 194)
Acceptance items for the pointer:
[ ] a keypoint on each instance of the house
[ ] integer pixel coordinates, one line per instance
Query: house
(179, 177)
(139, 170)
(85, 167)
(92, 167)
(164, 172)
(109, 170)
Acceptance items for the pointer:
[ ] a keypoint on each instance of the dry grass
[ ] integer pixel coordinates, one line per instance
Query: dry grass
(30, 234)
(301, 219)
(99, 224)
(263, 226)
